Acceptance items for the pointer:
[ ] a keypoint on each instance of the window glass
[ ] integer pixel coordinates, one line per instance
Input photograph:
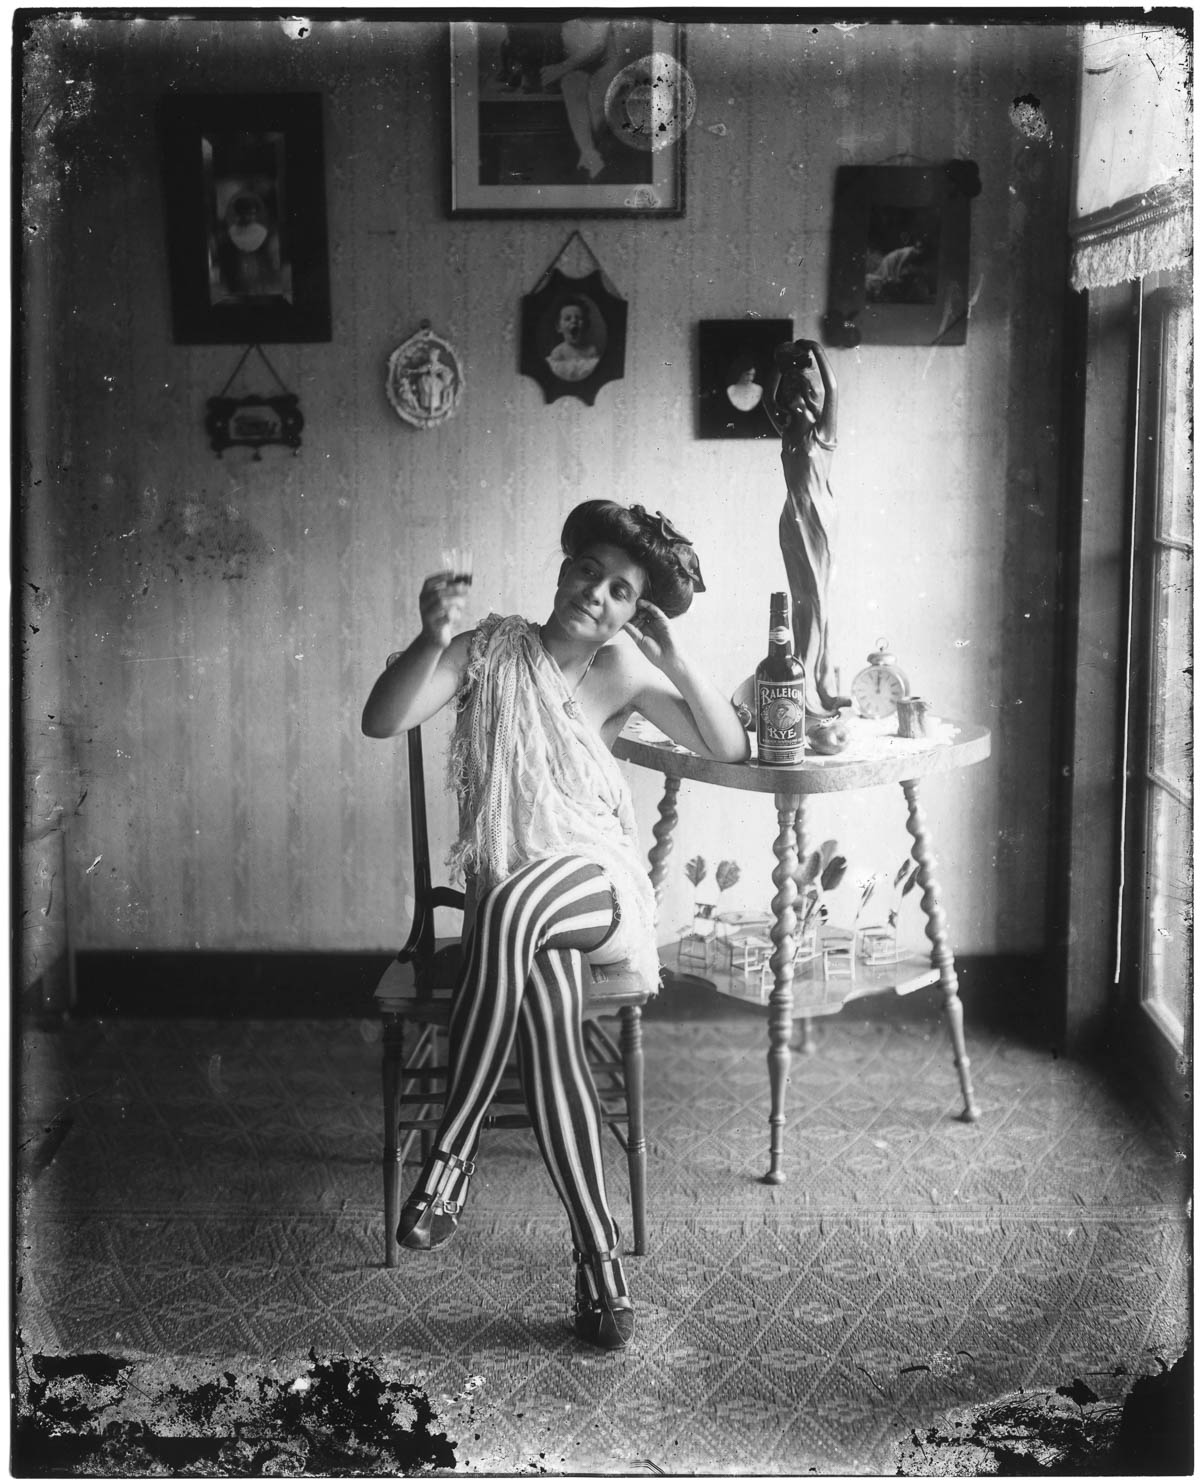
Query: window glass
(1166, 600)
(1166, 986)
(1171, 701)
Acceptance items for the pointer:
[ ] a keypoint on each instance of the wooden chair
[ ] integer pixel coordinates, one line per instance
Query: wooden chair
(413, 998)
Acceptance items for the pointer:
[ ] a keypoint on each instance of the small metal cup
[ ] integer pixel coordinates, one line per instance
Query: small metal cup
(913, 718)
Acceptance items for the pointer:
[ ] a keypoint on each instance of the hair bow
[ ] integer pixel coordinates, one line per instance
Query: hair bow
(681, 547)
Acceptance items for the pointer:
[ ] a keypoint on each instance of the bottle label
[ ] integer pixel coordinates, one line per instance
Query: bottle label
(780, 722)
(781, 635)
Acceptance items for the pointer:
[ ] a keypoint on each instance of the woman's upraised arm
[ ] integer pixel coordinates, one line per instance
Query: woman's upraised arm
(779, 418)
(827, 420)
(421, 679)
(690, 709)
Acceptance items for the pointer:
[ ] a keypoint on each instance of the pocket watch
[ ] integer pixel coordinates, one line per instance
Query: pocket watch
(877, 689)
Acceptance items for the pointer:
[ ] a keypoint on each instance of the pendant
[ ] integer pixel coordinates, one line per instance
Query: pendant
(572, 709)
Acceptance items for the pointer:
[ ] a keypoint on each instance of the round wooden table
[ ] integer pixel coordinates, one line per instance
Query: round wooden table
(874, 758)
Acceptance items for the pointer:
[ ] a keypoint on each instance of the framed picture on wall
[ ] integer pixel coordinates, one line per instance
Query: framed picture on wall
(901, 252)
(574, 117)
(573, 335)
(735, 375)
(244, 180)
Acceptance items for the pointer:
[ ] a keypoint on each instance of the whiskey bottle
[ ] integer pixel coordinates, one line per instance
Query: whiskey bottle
(779, 693)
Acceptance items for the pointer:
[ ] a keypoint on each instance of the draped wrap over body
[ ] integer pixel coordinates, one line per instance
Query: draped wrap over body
(534, 781)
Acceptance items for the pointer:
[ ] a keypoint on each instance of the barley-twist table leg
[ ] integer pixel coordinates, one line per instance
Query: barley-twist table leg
(668, 817)
(941, 955)
(808, 1041)
(779, 1024)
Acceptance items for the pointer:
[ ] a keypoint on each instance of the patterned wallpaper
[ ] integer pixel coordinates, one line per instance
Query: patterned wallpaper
(201, 633)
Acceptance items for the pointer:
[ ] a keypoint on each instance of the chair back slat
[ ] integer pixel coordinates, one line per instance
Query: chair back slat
(421, 946)
(423, 880)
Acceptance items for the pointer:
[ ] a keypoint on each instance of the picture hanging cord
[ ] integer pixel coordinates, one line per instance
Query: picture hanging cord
(576, 235)
(242, 362)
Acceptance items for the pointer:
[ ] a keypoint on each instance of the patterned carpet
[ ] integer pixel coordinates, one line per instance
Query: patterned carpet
(199, 1205)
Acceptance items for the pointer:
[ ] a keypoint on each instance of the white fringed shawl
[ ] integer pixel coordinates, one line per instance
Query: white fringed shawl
(533, 782)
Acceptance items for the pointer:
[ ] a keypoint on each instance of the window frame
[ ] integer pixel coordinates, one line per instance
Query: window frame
(1164, 1039)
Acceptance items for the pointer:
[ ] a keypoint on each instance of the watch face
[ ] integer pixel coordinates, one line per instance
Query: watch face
(876, 690)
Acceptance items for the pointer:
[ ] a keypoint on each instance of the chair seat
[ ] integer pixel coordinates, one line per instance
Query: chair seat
(613, 986)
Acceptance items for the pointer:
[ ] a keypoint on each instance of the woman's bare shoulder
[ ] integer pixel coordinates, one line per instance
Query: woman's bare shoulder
(456, 657)
(458, 650)
(619, 661)
(617, 675)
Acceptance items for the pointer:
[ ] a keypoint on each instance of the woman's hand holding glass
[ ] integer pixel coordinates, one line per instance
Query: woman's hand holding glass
(443, 603)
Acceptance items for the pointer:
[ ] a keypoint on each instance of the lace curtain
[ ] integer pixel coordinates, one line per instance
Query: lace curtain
(1133, 195)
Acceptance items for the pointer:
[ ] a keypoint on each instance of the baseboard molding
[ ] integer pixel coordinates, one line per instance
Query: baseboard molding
(1018, 991)
(226, 985)
(1008, 989)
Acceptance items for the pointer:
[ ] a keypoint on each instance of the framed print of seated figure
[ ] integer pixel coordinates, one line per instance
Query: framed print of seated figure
(901, 253)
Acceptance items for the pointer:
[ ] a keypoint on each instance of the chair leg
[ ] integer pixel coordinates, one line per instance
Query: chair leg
(438, 1042)
(634, 1060)
(393, 1062)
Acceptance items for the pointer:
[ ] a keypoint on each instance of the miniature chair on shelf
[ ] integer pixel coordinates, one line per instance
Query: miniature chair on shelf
(414, 994)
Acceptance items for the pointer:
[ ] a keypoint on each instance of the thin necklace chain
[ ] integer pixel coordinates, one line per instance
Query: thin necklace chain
(584, 675)
(571, 705)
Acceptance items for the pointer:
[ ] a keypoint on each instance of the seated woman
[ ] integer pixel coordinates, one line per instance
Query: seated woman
(550, 847)
(592, 58)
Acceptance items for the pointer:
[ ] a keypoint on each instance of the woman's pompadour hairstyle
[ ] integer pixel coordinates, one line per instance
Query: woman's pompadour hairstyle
(666, 555)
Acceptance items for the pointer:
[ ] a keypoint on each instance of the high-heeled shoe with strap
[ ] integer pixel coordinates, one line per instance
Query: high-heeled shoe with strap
(601, 1317)
(430, 1218)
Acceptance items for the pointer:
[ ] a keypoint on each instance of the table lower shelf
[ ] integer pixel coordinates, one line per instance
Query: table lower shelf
(812, 993)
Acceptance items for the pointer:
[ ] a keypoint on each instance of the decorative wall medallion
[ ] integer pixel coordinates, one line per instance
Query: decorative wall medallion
(424, 379)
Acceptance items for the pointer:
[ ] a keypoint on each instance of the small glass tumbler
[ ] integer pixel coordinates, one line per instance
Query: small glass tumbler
(458, 564)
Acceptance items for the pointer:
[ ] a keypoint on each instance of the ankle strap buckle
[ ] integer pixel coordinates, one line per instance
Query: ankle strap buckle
(452, 1161)
(587, 1258)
